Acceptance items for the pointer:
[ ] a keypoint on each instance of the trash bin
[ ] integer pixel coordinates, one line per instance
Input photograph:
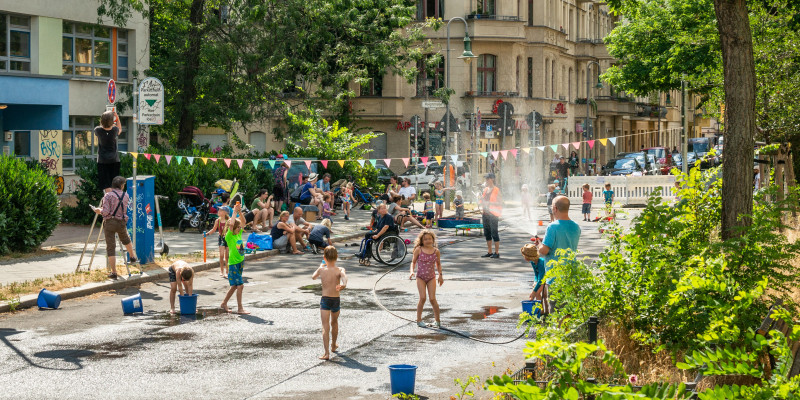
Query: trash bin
(145, 217)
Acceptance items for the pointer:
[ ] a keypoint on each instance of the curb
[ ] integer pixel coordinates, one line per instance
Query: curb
(29, 301)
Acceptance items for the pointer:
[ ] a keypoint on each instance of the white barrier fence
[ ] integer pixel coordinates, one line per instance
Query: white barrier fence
(627, 189)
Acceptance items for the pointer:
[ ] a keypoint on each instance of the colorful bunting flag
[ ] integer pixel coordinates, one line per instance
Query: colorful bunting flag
(438, 159)
(514, 152)
(205, 160)
(190, 160)
(591, 144)
(387, 161)
(134, 154)
(484, 154)
(424, 160)
(157, 157)
(613, 140)
(495, 155)
(227, 162)
(169, 158)
(271, 164)
(540, 148)
(405, 161)
(308, 164)
(287, 162)
(324, 163)
(213, 159)
(454, 157)
(240, 162)
(566, 146)
(255, 162)
(147, 156)
(576, 145)
(527, 150)
(341, 163)
(178, 159)
(373, 161)
(603, 141)
(554, 147)
(504, 153)
(361, 162)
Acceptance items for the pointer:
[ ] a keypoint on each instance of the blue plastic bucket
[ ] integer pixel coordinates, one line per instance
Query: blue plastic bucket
(188, 304)
(132, 304)
(528, 305)
(402, 377)
(48, 299)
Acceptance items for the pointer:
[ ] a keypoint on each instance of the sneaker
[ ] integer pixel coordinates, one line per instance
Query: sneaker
(495, 255)
(437, 325)
(112, 276)
(487, 255)
(346, 218)
(421, 324)
(133, 260)
(314, 249)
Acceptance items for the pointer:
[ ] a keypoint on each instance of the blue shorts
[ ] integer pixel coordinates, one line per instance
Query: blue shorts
(587, 208)
(439, 201)
(329, 304)
(430, 215)
(235, 274)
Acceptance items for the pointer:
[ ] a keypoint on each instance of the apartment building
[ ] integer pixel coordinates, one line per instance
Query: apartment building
(55, 62)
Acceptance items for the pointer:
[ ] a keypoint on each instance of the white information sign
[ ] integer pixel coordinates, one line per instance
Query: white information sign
(432, 104)
(151, 102)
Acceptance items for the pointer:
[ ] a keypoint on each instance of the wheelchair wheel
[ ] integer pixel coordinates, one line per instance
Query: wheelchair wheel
(390, 250)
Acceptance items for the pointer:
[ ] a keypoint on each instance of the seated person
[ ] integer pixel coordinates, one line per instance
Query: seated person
(318, 234)
(401, 214)
(324, 187)
(283, 233)
(181, 278)
(302, 227)
(383, 223)
(308, 194)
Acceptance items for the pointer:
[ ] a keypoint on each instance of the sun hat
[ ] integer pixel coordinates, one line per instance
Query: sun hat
(313, 176)
(529, 252)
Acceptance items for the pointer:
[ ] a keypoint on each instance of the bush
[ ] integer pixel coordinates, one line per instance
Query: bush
(29, 211)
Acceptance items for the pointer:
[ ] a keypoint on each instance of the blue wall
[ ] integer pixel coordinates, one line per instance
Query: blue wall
(34, 103)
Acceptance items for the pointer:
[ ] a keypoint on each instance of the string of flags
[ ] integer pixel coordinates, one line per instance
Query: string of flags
(284, 159)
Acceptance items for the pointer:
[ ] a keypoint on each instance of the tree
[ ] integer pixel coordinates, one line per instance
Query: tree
(241, 62)
(315, 137)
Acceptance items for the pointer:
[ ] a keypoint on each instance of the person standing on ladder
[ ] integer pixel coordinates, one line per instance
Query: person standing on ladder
(107, 155)
(115, 219)
(492, 206)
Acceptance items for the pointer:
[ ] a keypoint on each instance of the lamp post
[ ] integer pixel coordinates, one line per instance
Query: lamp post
(588, 105)
(467, 56)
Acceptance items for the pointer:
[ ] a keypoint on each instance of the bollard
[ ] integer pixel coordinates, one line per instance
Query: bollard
(204, 247)
(592, 323)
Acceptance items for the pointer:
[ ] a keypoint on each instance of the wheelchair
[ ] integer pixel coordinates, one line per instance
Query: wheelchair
(390, 249)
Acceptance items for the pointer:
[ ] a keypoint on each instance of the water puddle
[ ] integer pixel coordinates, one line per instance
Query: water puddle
(485, 313)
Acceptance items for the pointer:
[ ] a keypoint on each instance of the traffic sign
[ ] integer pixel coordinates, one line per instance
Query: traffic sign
(151, 102)
(432, 104)
(112, 91)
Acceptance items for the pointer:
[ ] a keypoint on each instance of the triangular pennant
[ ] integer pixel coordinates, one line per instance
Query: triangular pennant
(576, 145)
(288, 163)
(438, 159)
(496, 155)
(308, 164)
(341, 163)
(387, 161)
(240, 162)
(566, 146)
(405, 161)
(178, 159)
(454, 157)
(169, 158)
(424, 160)
(514, 152)
(255, 162)
(213, 159)
(227, 162)
(590, 143)
(373, 161)
(554, 147)
(613, 140)
(484, 154)
(504, 153)
(190, 160)
(271, 164)
(324, 163)
(540, 148)
(147, 156)
(205, 160)
(361, 162)
(527, 150)
(134, 154)
(603, 141)
(157, 157)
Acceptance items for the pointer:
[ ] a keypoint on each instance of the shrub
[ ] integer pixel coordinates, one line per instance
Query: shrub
(29, 211)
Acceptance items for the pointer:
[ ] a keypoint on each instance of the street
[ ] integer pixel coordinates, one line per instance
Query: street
(89, 349)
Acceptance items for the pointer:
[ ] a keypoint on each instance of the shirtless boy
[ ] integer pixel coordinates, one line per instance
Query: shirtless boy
(181, 278)
(333, 280)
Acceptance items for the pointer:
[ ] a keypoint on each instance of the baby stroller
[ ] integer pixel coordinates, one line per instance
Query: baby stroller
(197, 210)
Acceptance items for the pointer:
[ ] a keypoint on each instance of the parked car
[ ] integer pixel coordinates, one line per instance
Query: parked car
(663, 157)
(649, 164)
(423, 175)
(706, 160)
(384, 174)
(622, 166)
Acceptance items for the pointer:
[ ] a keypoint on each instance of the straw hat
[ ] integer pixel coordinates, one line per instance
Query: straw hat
(529, 252)
(313, 176)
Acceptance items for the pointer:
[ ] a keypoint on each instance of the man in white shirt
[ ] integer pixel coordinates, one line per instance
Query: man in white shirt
(408, 192)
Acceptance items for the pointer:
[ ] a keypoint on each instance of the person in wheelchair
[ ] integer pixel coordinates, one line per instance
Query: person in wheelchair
(384, 223)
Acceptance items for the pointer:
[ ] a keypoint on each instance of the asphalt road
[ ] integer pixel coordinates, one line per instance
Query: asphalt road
(88, 349)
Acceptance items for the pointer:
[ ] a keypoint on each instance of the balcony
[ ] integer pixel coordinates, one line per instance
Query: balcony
(591, 41)
(388, 107)
(471, 93)
(512, 18)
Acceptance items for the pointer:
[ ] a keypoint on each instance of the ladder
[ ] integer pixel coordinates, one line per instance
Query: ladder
(94, 250)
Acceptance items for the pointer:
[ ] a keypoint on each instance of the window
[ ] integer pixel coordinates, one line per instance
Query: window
(15, 43)
(530, 76)
(122, 55)
(375, 85)
(530, 12)
(22, 143)
(430, 9)
(79, 141)
(434, 72)
(487, 72)
(87, 51)
(486, 7)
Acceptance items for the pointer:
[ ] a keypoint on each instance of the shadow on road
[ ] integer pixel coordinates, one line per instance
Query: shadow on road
(72, 356)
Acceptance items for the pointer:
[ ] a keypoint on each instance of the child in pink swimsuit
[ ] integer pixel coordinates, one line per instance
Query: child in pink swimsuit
(427, 262)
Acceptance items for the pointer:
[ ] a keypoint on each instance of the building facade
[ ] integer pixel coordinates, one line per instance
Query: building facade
(55, 62)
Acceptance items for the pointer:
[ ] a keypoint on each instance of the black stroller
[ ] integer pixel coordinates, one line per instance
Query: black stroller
(197, 210)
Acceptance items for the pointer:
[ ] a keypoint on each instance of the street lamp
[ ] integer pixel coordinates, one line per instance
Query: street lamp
(599, 85)
(467, 56)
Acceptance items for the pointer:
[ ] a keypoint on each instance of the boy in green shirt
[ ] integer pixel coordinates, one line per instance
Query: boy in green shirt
(233, 237)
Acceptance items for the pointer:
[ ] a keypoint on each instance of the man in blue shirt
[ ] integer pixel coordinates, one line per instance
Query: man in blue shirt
(564, 233)
(308, 195)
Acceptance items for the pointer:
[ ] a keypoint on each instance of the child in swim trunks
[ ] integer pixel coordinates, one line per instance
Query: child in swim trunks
(181, 278)
(334, 280)
(429, 214)
(426, 261)
(233, 237)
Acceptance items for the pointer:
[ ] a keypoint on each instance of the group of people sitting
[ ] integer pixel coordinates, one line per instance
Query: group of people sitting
(318, 193)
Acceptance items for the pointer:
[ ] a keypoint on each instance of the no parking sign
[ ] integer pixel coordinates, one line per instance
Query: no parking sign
(112, 91)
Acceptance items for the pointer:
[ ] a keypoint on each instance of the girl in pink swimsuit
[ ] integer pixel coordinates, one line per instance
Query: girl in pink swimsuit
(427, 262)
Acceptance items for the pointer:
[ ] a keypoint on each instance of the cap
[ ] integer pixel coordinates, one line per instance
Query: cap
(489, 176)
